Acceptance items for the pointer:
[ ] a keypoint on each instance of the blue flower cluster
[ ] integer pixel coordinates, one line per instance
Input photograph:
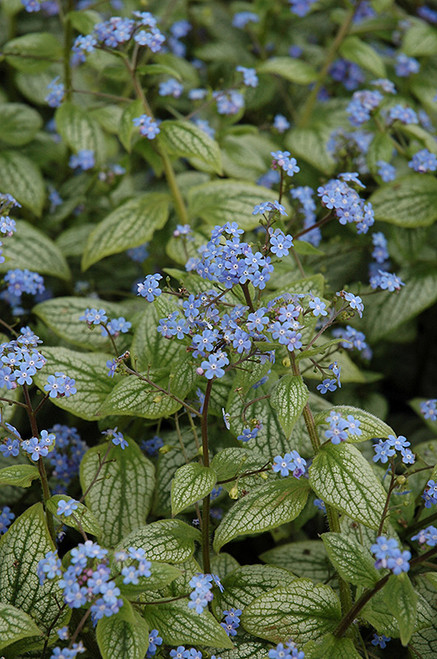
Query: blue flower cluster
(56, 93)
(66, 456)
(388, 555)
(363, 103)
(291, 462)
(23, 281)
(282, 159)
(170, 87)
(116, 437)
(60, 385)
(83, 160)
(231, 621)
(380, 252)
(148, 127)
(423, 161)
(281, 123)
(402, 113)
(429, 409)
(387, 449)
(35, 447)
(301, 7)
(6, 517)
(337, 195)
(113, 327)
(331, 384)
(250, 78)
(430, 495)
(305, 196)
(20, 359)
(192, 653)
(229, 101)
(352, 338)
(88, 579)
(406, 66)
(201, 593)
(386, 171)
(117, 31)
(152, 446)
(149, 288)
(348, 73)
(340, 429)
(427, 536)
(287, 651)
(242, 18)
(387, 281)
(67, 653)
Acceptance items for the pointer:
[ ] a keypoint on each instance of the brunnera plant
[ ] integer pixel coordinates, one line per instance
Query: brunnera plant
(217, 221)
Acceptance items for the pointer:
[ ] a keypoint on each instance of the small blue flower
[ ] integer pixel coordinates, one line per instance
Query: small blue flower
(67, 508)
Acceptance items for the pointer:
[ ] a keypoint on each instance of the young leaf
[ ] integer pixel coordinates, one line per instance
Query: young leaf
(80, 131)
(14, 625)
(20, 177)
(301, 610)
(32, 249)
(352, 561)
(191, 483)
(168, 540)
(401, 600)
(80, 519)
(18, 475)
(342, 477)
(371, 427)
(178, 625)
(90, 372)
(131, 224)
(265, 507)
(125, 634)
(289, 68)
(289, 397)
(21, 548)
(183, 138)
(122, 496)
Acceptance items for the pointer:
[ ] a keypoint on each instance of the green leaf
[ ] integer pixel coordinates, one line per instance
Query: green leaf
(310, 145)
(245, 650)
(306, 558)
(14, 625)
(265, 507)
(80, 131)
(185, 139)
(81, 518)
(19, 123)
(178, 625)
(387, 311)
(84, 21)
(419, 133)
(167, 540)
(331, 647)
(90, 372)
(342, 477)
(126, 127)
(159, 69)
(223, 201)
(125, 634)
(30, 248)
(21, 178)
(301, 610)
(32, 52)
(191, 483)
(352, 561)
(21, 548)
(289, 68)
(401, 600)
(130, 225)
(419, 39)
(381, 148)
(356, 50)
(409, 201)
(235, 461)
(248, 582)
(371, 427)
(18, 475)
(62, 314)
(289, 397)
(162, 574)
(121, 499)
(135, 397)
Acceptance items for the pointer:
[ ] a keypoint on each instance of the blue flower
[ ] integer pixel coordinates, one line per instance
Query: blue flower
(249, 76)
(83, 160)
(149, 288)
(66, 508)
(148, 127)
(6, 517)
(423, 161)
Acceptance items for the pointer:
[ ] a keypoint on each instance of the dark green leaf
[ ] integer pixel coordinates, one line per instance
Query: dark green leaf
(352, 561)
(289, 397)
(19, 123)
(191, 483)
(21, 178)
(410, 201)
(14, 625)
(183, 138)
(18, 475)
(289, 68)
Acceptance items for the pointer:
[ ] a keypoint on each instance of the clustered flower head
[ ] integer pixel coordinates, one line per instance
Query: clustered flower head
(83, 160)
(231, 621)
(423, 161)
(429, 409)
(282, 159)
(341, 429)
(287, 651)
(191, 653)
(201, 594)
(148, 127)
(387, 281)
(363, 103)
(6, 518)
(66, 455)
(387, 449)
(337, 195)
(113, 327)
(116, 437)
(388, 555)
(427, 536)
(430, 494)
(291, 462)
(56, 93)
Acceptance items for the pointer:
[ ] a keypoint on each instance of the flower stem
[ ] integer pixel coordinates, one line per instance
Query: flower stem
(205, 507)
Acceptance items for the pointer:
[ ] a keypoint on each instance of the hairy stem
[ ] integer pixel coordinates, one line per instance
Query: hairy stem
(205, 507)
